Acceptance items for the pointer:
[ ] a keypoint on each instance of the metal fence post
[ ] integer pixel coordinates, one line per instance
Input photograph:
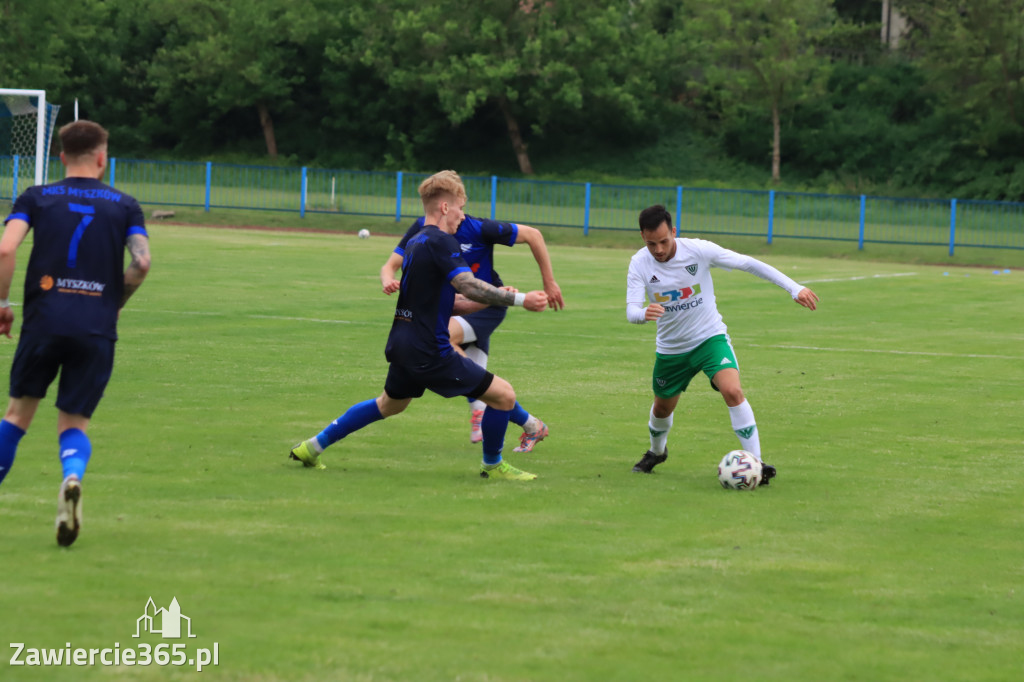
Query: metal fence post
(952, 225)
(827, 215)
(302, 199)
(398, 198)
(586, 212)
(679, 207)
(494, 196)
(860, 238)
(209, 176)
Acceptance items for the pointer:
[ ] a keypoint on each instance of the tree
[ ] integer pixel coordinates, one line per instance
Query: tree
(762, 53)
(38, 41)
(223, 55)
(860, 11)
(974, 53)
(531, 61)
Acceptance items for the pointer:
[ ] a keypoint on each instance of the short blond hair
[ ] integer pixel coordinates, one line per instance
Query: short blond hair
(439, 185)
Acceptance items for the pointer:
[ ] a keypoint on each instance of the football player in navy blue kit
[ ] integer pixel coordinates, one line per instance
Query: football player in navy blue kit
(75, 286)
(471, 329)
(419, 349)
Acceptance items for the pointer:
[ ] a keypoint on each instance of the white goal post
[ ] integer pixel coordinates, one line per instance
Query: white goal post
(25, 135)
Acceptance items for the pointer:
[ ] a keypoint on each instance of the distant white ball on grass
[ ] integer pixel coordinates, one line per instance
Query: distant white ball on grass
(364, 234)
(739, 470)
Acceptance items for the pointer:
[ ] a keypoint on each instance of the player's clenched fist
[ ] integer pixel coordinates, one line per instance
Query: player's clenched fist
(536, 301)
(653, 312)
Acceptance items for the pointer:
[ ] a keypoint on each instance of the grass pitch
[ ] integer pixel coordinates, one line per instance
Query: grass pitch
(889, 547)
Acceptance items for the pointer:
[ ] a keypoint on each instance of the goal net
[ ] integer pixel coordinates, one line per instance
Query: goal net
(24, 139)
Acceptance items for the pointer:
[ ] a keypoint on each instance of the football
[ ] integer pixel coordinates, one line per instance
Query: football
(364, 234)
(739, 470)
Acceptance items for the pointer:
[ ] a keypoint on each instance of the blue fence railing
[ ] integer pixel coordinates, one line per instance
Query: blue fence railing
(771, 214)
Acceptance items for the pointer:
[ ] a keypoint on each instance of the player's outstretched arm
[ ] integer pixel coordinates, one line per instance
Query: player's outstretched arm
(135, 273)
(464, 306)
(807, 298)
(478, 290)
(14, 234)
(535, 238)
(389, 284)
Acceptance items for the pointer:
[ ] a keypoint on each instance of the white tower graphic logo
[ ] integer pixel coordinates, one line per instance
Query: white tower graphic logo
(163, 622)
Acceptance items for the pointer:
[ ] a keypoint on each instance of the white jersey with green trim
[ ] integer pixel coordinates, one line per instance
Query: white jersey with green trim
(683, 286)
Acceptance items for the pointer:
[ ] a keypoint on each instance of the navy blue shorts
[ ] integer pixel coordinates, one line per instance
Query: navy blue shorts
(84, 362)
(484, 322)
(448, 377)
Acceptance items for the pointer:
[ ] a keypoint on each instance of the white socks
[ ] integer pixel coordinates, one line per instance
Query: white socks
(743, 424)
(474, 353)
(659, 429)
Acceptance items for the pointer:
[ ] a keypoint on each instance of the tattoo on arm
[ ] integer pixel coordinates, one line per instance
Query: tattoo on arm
(482, 292)
(135, 273)
(138, 247)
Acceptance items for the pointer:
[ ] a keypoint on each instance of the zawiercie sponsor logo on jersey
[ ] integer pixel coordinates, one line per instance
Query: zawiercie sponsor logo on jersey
(677, 295)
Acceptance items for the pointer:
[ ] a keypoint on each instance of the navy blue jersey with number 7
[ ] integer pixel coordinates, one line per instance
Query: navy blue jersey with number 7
(75, 275)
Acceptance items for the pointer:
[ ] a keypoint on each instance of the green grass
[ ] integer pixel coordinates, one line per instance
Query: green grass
(258, 196)
(887, 549)
(619, 239)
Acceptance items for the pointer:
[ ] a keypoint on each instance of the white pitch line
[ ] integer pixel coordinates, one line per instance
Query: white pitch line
(853, 279)
(201, 313)
(301, 319)
(607, 338)
(887, 351)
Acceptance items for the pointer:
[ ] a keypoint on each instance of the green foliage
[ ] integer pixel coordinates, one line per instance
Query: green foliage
(762, 55)
(533, 63)
(865, 126)
(239, 55)
(880, 129)
(860, 11)
(621, 90)
(974, 56)
(39, 41)
(112, 80)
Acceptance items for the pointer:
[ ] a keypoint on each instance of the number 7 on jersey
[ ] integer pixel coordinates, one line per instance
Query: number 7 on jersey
(87, 214)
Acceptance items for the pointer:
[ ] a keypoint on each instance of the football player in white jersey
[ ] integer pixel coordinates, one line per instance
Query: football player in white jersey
(674, 276)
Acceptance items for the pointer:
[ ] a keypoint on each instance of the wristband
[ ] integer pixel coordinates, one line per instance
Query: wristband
(5, 303)
(520, 299)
